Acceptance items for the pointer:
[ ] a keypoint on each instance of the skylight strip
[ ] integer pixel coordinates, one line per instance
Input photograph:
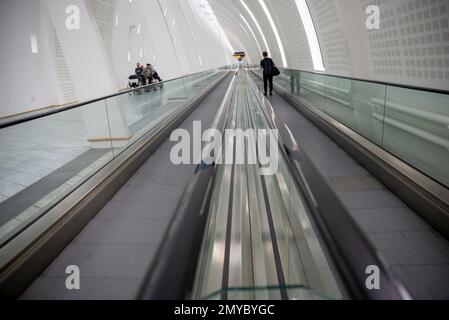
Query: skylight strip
(252, 32)
(312, 37)
(276, 32)
(257, 24)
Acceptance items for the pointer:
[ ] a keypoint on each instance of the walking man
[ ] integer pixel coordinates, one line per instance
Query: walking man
(267, 65)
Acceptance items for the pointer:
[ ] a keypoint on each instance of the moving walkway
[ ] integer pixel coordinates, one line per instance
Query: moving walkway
(261, 239)
(271, 250)
(212, 231)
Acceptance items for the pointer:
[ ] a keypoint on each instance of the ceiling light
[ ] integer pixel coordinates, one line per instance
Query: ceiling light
(312, 37)
(257, 25)
(34, 47)
(251, 30)
(276, 33)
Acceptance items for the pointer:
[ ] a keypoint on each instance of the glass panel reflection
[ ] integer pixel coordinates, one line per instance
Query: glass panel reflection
(44, 160)
(417, 130)
(412, 124)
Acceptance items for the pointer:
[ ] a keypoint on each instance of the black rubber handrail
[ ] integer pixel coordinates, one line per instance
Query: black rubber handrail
(7, 124)
(385, 83)
(171, 275)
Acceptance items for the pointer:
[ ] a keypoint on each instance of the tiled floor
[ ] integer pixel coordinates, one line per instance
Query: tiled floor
(31, 151)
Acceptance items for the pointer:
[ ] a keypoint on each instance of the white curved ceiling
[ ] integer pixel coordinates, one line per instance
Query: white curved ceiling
(273, 26)
(183, 36)
(410, 47)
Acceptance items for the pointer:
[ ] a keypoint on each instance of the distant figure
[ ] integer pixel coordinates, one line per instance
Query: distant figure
(267, 65)
(139, 69)
(148, 74)
(139, 73)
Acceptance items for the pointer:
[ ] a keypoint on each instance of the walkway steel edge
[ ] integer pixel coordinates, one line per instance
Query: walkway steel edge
(425, 196)
(24, 258)
(172, 273)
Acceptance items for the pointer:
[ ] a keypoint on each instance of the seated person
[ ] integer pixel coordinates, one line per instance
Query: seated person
(139, 73)
(148, 74)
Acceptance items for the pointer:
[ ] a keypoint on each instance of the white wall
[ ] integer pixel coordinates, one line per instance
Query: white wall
(154, 41)
(198, 36)
(27, 81)
(83, 52)
(30, 81)
(173, 37)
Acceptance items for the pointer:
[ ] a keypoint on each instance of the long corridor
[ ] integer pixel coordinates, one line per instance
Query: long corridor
(256, 224)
